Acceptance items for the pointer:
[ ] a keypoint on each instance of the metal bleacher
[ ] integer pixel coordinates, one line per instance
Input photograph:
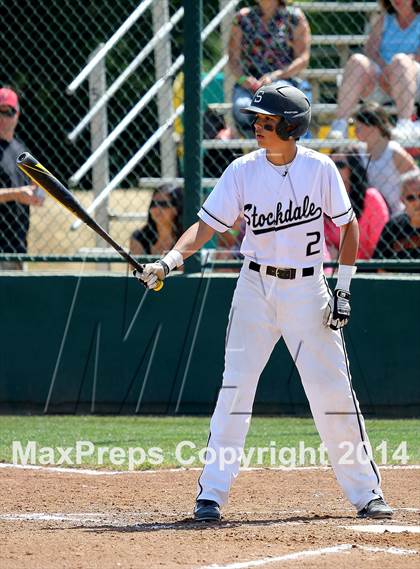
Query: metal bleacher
(335, 48)
(341, 47)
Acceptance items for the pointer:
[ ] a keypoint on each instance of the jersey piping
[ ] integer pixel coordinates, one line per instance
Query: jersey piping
(215, 218)
(341, 214)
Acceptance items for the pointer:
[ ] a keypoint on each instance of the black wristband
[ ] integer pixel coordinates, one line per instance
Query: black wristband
(166, 269)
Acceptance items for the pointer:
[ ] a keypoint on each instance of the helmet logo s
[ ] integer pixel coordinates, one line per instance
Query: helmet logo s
(258, 96)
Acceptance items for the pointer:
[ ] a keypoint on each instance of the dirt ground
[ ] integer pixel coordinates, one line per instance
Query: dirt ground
(143, 520)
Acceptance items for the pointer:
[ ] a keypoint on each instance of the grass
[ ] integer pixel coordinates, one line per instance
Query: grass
(282, 437)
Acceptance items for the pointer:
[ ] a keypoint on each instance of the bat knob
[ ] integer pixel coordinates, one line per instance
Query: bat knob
(158, 286)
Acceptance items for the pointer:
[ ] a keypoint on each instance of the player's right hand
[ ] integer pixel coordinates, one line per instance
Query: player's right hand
(152, 273)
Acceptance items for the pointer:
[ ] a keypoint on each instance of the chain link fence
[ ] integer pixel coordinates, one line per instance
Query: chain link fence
(113, 130)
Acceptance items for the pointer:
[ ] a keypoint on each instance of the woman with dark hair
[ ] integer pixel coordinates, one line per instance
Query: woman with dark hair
(385, 159)
(164, 223)
(368, 205)
(270, 42)
(391, 62)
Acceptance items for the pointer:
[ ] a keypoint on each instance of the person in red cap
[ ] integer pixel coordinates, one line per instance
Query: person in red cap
(16, 196)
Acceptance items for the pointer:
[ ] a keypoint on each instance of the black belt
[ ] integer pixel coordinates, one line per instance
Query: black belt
(281, 273)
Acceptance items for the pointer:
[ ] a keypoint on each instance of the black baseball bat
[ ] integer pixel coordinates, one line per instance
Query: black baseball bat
(45, 180)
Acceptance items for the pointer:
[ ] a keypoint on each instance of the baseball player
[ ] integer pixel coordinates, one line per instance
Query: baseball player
(283, 191)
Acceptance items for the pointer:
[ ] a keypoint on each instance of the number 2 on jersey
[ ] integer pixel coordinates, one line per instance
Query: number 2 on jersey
(316, 239)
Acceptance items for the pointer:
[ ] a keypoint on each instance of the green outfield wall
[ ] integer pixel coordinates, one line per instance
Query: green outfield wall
(102, 344)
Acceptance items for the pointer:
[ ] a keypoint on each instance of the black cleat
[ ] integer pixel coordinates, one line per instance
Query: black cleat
(207, 511)
(377, 509)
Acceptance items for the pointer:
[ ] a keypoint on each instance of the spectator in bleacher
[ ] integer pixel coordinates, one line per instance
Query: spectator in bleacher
(385, 159)
(391, 63)
(269, 43)
(368, 205)
(164, 223)
(16, 195)
(400, 238)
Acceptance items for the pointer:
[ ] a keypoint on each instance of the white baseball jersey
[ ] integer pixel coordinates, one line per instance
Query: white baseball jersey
(283, 212)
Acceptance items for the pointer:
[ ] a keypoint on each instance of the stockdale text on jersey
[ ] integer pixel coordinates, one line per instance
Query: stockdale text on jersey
(274, 221)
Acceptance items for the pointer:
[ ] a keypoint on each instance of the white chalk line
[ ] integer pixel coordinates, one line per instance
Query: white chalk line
(59, 469)
(41, 517)
(391, 550)
(342, 548)
(92, 472)
(376, 528)
(287, 557)
(97, 519)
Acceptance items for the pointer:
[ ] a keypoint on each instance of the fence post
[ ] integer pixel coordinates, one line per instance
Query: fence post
(163, 60)
(228, 79)
(193, 120)
(98, 133)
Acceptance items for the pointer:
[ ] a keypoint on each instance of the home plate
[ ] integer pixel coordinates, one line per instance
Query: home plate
(385, 528)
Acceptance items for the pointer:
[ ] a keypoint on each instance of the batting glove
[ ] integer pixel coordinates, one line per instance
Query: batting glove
(152, 273)
(337, 313)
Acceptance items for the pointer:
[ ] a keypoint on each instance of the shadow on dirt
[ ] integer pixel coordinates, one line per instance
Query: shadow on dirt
(189, 524)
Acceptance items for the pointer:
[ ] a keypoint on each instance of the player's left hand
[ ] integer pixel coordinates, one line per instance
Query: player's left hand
(337, 312)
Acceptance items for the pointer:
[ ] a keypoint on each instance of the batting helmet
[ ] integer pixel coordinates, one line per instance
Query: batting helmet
(287, 102)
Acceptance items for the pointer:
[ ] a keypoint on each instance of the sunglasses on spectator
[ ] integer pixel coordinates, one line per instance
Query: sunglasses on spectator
(341, 164)
(412, 197)
(8, 112)
(160, 203)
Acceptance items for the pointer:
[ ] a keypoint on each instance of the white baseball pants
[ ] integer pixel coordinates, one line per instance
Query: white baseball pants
(265, 308)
